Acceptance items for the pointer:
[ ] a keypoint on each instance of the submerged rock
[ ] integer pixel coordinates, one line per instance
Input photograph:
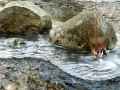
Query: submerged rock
(87, 30)
(23, 17)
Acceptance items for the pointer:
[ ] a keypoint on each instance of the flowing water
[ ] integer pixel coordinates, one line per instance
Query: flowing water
(78, 64)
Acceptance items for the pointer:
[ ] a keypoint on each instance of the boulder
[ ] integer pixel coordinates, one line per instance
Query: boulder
(60, 9)
(88, 30)
(23, 17)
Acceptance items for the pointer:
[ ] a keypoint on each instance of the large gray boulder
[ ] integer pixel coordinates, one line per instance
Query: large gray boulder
(23, 17)
(86, 31)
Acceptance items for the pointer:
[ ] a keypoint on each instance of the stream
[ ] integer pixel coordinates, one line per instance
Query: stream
(80, 65)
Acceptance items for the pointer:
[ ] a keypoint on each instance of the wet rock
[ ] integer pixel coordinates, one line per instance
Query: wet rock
(79, 32)
(59, 9)
(35, 74)
(23, 17)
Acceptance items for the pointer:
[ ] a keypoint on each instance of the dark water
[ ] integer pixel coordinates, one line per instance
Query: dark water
(96, 75)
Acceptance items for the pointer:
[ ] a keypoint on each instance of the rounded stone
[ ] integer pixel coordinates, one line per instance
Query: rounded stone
(23, 17)
(82, 33)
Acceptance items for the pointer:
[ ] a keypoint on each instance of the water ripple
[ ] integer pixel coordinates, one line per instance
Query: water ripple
(74, 63)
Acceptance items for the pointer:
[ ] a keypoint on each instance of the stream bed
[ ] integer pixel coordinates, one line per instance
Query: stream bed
(77, 64)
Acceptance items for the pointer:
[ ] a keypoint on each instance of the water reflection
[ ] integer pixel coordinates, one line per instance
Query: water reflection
(78, 64)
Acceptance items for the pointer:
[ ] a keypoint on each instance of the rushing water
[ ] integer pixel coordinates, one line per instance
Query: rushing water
(74, 63)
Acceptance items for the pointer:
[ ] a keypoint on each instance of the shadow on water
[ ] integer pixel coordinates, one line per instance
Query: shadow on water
(95, 75)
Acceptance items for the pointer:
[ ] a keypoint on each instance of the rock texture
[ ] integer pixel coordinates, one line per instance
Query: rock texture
(34, 74)
(78, 32)
(60, 9)
(112, 12)
(24, 18)
(3, 2)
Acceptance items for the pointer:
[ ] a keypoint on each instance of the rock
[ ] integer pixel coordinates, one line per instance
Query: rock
(3, 2)
(23, 17)
(35, 74)
(112, 11)
(10, 87)
(82, 33)
(60, 9)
